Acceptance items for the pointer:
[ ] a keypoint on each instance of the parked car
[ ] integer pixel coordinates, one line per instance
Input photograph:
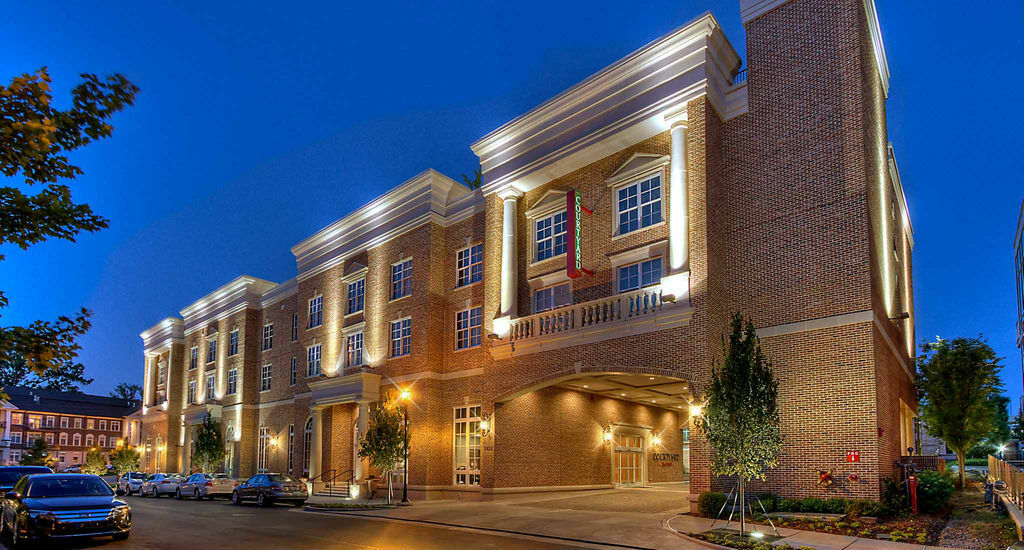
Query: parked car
(131, 482)
(61, 506)
(160, 484)
(76, 469)
(200, 486)
(267, 489)
(9, 475)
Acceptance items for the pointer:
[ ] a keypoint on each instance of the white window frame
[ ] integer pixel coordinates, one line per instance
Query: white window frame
(314, 358)
(316, 311)
(637, 183)
(291, 448)
(295, 371)
(76, 440)
(103, 425)
(401, 279)
(266, 373)
(90, 440)
(404, 340)
(161, 374)
(115, 425)
(355, 300)
(63, 439)
(16, 438)
(48, 438)
(466, 260)
(354, 358)
(467, 334)
(211, 350)
(78, 422)
(467, 476)
(232, 382)
(211, 389)
(640, 275)
(101, 441)
(193, 358)
(191, 395)
(268, 336)
(551, 289)
(233, 343)
(51, 421)
(535, 247)
(295, 327)
(261, 450)
(90, 423)
(64, 422)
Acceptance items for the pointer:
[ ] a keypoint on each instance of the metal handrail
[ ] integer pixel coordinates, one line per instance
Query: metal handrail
(321, 476)
(329, 483)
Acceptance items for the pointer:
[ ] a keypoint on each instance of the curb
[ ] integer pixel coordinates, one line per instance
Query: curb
(665, 524)
(355, 513)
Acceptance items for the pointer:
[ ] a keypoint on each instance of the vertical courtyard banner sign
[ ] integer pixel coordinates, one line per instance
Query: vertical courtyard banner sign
(574, 260)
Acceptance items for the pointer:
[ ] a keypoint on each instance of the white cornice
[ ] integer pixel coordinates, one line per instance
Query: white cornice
(242, 292)
(279, 292)
(623, 104)
(162, 334)
(428, 197)
(901, 197)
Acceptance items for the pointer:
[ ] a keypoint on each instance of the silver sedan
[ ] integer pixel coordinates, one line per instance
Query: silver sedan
(160, 484)
(200, 486)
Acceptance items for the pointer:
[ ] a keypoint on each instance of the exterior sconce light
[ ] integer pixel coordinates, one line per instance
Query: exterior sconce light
(656, 440)
(405, 395)
(486, 426)
(607, 435)
(696, 409)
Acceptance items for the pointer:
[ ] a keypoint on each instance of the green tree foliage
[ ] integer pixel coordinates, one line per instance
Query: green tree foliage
(35, 138)
(95, 462)
(958, 380)
(741, 417)
(477, 180)
(125, 459)
(1017, 427)
(1000, 433)
(124, 390)
(210, 452)
(38, 455)
(384, 444)
(68, 376)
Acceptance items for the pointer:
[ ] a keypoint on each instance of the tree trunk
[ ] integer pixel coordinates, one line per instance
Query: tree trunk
(962, 472)
(389, 487)
(743, 508)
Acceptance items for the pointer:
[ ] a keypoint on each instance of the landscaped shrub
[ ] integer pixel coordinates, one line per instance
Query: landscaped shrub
(770, 501)
(812, 505)
(933, 491)
(834, 505)
(788, 505)
(895, 498)
(863, 507)
(709, 503)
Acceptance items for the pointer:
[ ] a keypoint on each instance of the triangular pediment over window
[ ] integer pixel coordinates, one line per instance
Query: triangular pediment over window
(549, 203)
(637, 165)
(354, 271)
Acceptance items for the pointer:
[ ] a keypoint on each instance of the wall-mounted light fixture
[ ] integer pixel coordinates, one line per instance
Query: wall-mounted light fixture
(486, 424)
(656, 440)
(607, 436)
(696, 409)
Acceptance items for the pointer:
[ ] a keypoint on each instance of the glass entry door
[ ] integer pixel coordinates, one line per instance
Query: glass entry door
(629, 460)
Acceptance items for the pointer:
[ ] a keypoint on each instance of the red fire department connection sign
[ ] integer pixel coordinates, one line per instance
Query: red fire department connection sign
(853, 456)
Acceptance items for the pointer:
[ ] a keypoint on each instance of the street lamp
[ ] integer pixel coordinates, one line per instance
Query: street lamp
(404, 397)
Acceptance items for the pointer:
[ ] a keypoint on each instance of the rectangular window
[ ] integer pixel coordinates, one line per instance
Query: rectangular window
(261, 452)
(51, 421)
(90, 424)
(193, 358)
(291, 447)
(295, 368)
(211, 381)
(401, 279)
(115, 425)
(313, 361)
(639, 275)
(191, 392)
(639, 205)
(211, 351)
(78, 423)
(469, 265)
(401, 337)
(551, 236)
(76, 440)
(268, 336)
(103, 425)
(35, 421)
(16, 438)
(468, 325)
(467, 446)
(48, 438)
(355, 296)
(552, 297)
(63, 440)
(316, 312)
(295, 327)
(63, 422)
(354, 349)
(265, 378)
(161, 376)
(233, 343)
(232, 381)
(16, 418)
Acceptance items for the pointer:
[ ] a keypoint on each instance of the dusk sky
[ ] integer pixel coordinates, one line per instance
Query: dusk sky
(259, 123)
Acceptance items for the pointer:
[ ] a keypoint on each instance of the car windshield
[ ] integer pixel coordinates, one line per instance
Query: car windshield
(137, 476)
(217, 476)
(282, 479)
(68, 486)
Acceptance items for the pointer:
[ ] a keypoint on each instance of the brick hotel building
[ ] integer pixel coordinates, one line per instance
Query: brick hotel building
(772, 191)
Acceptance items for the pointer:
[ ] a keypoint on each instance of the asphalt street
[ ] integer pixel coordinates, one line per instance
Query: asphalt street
(166, 523)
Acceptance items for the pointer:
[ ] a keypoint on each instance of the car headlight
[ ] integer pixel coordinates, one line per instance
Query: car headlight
(120, 511)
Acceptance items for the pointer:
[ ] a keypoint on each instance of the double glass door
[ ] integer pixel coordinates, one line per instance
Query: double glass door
(629, 460)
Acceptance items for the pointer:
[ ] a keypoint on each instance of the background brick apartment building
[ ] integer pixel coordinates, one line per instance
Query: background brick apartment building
(70, 424)
(772, 191)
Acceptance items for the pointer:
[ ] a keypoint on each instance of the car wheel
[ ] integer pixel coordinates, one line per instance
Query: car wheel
(235, 499)
(177, 494)
(261, 500)
(16, 541)
(196, 495)
(155, 493)
(121, 536)
(299, 503)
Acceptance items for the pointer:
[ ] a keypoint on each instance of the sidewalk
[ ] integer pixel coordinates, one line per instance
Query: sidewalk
(585, 518)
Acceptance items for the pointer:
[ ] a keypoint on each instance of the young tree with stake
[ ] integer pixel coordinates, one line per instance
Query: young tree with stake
(740, 418)
(384, 443)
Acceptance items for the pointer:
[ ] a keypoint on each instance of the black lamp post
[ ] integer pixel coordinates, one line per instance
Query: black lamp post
(405, 468)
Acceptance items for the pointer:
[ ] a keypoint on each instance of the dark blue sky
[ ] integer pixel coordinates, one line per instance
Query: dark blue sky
(259, 123)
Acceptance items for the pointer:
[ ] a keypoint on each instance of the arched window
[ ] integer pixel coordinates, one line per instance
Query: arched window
(307, 442)
(63, 439)
(76, 440)
(88, 440)
(101, 440)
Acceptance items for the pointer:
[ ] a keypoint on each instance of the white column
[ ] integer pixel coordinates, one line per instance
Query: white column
(509, 267)
(186, 452)
(679, 248)
(316, 446)
(359, 466)
(7, 436)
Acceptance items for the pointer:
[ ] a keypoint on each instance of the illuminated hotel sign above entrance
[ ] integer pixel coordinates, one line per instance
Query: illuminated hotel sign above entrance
(574, 260)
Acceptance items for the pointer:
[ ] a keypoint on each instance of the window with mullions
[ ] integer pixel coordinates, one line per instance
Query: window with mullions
(401, 337)
(265, 373)
(191, 392)
(550, 236)
(313, 361)
(638, 205)
(211, 351)
(295, 327)
(268, 336)
(401, 279)
(639, 275)
(261, 449)
(468, 325)
(211, 383)
(232, 381)
(354, 349)
(467, 446)
(355, 296)
(316, 312)
(193, 358)
(469, 265)
(233, 343)
(552, 297)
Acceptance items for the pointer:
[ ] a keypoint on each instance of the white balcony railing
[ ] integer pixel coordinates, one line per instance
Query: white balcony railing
(595, 312)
